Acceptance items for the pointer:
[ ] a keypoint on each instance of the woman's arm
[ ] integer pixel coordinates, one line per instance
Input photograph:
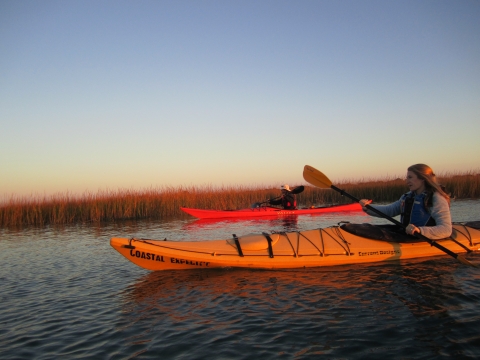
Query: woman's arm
(440, 212)
(391, 210)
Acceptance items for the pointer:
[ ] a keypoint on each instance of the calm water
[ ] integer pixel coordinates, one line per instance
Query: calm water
(65, 293)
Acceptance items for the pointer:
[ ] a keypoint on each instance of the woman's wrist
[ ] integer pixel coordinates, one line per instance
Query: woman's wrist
(412, 229)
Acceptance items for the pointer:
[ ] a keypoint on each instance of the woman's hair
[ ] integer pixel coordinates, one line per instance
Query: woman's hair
(426, 173)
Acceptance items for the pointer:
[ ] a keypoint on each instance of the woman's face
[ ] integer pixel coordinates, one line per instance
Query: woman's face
(414, 183)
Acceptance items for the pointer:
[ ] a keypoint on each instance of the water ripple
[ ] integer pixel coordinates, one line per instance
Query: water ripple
(67, 294)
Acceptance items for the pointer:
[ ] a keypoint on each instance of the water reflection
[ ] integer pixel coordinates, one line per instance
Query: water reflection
(289, 223)
(286, 221)
(421, 285)
(418, 286)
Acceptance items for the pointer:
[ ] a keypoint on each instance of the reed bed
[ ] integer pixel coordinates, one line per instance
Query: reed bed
(165, 202)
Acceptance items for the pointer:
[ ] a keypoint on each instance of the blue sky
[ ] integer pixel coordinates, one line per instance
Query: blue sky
(99, 95)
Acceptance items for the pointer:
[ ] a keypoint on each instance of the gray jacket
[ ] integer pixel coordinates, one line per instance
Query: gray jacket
(440, 212)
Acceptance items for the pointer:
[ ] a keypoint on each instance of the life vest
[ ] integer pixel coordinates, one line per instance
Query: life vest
(415, 209)
(289, 202)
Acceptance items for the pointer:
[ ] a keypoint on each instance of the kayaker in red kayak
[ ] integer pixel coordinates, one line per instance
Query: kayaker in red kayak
(287, 199)
(425, 209)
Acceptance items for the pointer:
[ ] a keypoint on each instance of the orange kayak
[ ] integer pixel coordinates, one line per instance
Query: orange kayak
(312, 248)
(268, 211)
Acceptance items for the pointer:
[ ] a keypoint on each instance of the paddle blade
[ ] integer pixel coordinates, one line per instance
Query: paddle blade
(464, 261)
(298, 189)
(315, 177)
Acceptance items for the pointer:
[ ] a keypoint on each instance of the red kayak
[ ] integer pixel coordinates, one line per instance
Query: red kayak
(268, 211)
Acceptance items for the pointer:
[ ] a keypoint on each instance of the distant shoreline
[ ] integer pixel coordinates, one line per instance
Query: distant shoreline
(111, 206)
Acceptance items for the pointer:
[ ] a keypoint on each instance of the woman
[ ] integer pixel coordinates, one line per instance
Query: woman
(425, 209)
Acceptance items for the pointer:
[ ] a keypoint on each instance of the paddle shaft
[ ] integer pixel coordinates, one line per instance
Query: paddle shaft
(417, 235)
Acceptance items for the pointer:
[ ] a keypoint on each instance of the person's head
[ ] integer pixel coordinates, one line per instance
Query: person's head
(285, 188)
(420, 177)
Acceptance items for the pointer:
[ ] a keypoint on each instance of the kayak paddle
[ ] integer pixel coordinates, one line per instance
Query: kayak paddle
(298, 189)
(318, 179)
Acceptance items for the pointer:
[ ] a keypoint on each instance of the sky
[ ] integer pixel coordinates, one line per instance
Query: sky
(102, 95)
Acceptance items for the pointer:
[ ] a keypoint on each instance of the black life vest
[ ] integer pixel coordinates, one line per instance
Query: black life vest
(289, 202)
(415, 209)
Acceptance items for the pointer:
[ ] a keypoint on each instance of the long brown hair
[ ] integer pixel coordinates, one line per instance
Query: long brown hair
(426, 173)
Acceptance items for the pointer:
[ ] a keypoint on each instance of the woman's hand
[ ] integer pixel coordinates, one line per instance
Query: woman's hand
(365, 202)
(412, 229)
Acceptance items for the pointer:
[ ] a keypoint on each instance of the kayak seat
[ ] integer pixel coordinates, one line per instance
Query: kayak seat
(391, 233)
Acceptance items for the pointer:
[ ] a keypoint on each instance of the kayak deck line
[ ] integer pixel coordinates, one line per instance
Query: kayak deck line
(310, 248)
(248, 240)
(468, 235)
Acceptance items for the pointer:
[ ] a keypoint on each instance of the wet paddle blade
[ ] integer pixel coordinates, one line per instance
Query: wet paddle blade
(298, 189)
(465, 261)
(315, 177)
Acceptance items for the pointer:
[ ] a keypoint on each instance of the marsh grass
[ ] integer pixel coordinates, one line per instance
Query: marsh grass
(165, 202)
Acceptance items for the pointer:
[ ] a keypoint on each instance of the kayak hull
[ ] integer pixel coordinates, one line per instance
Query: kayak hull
(313, 248)
(268, 211)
